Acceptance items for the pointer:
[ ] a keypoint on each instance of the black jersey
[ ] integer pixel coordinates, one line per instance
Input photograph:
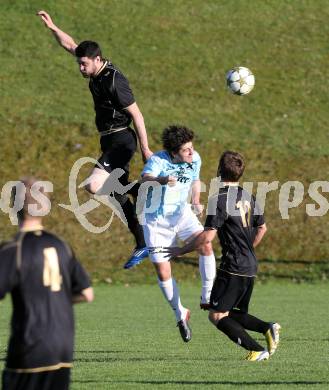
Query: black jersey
(236, 217)
(41, 273)
(111, 93)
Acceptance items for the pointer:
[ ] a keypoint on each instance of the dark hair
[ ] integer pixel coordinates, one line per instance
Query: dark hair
(88, 49)
(174, 136)
(231, 166)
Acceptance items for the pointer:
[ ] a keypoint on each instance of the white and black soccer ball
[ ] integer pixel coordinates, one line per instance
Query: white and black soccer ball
(240, 80)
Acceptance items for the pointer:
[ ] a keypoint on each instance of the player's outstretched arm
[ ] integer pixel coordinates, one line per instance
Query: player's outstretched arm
(65, 40)
(195, 244)
(139, 126)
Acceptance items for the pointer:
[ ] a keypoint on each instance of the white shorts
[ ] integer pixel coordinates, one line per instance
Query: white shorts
(164, 231)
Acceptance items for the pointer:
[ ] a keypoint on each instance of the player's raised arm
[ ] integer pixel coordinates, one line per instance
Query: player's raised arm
(65, 40)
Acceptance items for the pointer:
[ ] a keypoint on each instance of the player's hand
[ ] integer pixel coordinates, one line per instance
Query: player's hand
(46, 19)
(146, 154)
(173, 251)
(171, 181)
(197, 209)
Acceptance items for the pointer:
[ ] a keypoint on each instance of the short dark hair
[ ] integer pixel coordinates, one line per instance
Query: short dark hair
(88, 49)
(25, 197)
(174, 136)
(231, 166)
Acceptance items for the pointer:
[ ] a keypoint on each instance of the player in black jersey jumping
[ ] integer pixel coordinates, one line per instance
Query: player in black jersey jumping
(115, 108)
(235, 217)
(44, 279)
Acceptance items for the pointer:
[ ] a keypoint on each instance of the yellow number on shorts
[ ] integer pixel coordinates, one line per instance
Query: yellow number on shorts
(244, 208)
(52, 277)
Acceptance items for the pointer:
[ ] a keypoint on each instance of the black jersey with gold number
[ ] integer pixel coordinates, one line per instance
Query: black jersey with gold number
(236, 216)
(41, 273)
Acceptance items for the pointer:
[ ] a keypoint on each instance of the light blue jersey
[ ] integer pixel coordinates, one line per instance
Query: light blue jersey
(172, 199)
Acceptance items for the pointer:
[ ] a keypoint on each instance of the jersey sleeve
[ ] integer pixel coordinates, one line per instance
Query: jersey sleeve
(79, 277)
(258, 215)
(8, 269)
(153, 167)
(196, 172)
(122, 92)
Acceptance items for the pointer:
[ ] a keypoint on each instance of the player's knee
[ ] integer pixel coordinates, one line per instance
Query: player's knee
(93, 186)
(215, 317)
(212, 318)
(163, 271)
(89, 189)
(95, 182)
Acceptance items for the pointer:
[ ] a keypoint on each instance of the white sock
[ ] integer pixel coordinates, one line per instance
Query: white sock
(207, 268)
(171, 293)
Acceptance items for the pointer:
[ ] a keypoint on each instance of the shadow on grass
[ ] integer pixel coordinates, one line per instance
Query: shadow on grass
(194, 262)
(205, 383)
(107, 359)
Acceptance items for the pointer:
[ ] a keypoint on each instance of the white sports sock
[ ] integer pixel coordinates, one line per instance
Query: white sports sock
(207, 268)
(171, 293)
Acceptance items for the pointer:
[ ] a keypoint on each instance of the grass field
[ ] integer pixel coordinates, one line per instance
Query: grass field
(175, 54)
(127, 339)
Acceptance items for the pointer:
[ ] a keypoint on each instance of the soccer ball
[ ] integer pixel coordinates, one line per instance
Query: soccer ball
(240, 80)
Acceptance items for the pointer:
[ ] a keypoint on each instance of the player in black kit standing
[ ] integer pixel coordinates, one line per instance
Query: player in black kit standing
(44, 279)
(234, 216)
(115, 108)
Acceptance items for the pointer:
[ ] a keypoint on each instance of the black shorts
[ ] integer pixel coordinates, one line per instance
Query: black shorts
(231, 291)
(46, 380)
(118, 149)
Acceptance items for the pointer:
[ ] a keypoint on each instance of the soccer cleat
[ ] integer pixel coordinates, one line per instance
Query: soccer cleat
(184, 328)
(137, 257)
(272, 337)
(257, 356)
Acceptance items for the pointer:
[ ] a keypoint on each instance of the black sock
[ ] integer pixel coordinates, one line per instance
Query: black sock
(134, 191)
(249, 322)
(133, 224)
(237, 334)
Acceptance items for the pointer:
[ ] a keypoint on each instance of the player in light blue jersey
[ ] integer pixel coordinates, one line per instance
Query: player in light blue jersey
(171, 178)
(174, 196)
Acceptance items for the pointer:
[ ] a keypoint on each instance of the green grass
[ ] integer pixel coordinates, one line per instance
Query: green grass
(175, 54)
(127, 339)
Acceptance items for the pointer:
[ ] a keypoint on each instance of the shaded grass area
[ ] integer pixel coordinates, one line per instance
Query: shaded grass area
(127, 339)
(175, 55)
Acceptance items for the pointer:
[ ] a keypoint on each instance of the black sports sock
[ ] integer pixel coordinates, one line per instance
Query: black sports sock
(237, 334)
(249, 322)
(133, 224)
(134, 191)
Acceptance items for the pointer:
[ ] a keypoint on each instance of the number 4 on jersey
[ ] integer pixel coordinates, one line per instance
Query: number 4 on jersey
(51, 273)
